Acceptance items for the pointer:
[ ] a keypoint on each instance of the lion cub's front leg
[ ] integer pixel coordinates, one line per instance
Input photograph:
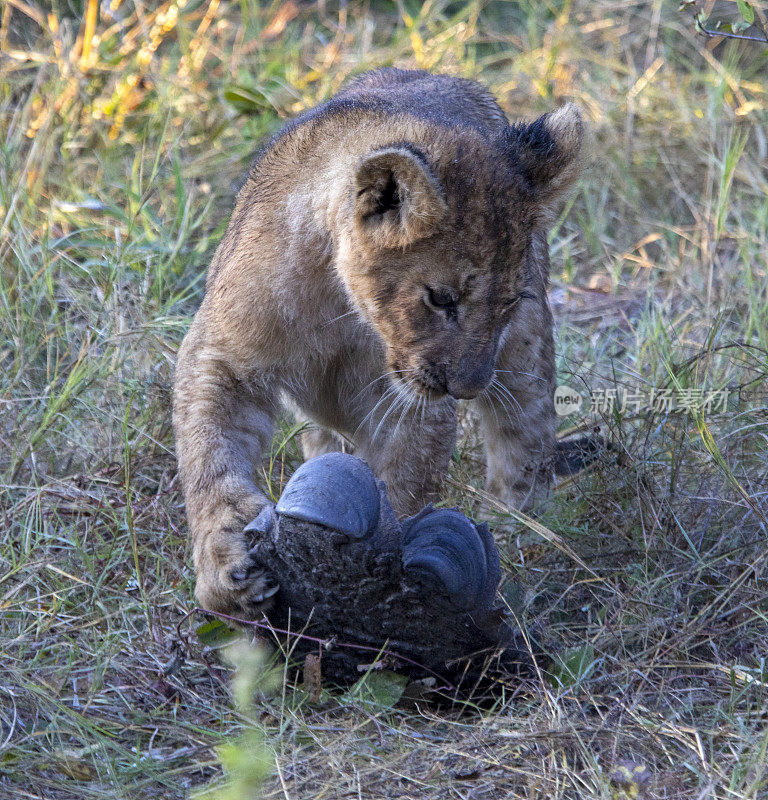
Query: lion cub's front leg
(410, 450)
(518, 416)
(222, 427)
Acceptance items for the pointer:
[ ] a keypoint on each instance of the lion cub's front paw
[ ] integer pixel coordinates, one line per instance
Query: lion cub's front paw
(232, 581)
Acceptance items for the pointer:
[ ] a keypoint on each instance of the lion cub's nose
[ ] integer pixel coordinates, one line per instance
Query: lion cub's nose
(467, 383)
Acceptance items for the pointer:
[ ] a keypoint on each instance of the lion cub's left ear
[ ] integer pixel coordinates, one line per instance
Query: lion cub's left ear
(549, 151)
(398, 199)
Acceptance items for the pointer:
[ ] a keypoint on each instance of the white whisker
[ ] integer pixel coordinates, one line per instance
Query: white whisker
(393, 407)
(509, 394)
(518, 372)
(341, 316)
(409, 396)
(381, 377)
(487, 398)
(391, 390)
(513, 414)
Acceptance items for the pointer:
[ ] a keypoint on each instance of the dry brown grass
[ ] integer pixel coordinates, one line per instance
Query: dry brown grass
(119, 161)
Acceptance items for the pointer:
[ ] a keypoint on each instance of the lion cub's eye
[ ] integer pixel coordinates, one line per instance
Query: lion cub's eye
(442, 299)
(508, 305)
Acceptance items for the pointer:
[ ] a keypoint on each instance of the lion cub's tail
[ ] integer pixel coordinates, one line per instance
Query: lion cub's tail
(573, 455)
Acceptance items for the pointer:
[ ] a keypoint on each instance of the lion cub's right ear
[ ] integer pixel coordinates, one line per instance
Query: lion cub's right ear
(398, 199)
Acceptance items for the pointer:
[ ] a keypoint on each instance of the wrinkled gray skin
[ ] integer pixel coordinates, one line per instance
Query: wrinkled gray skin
(346, 568)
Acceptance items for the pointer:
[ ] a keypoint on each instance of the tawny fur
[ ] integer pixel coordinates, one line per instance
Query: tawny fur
(386, 256)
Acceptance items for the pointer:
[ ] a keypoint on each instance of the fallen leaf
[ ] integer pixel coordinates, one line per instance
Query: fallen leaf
(73, 766)
(215, 633)
(383, 688)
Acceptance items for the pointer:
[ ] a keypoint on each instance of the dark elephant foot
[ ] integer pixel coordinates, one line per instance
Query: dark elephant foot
(424, 589)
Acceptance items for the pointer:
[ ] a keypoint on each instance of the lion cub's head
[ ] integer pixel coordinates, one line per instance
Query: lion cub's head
(433, 254)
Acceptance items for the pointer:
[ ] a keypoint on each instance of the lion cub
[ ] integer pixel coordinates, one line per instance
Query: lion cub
(386, 257)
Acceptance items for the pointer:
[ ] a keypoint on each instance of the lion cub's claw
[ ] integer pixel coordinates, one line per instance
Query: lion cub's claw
(241, 574)
(268, 592)
(264, 588)
(252, 587)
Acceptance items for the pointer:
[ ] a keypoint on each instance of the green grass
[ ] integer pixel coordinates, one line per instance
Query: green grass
(117, 173)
